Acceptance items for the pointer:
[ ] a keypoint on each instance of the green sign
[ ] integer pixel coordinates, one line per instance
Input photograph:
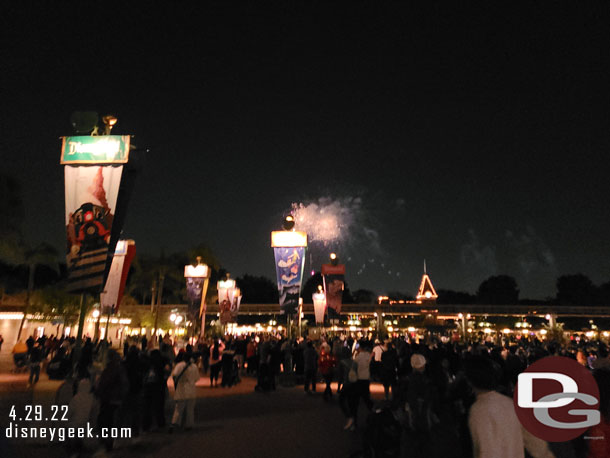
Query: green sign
(102, 149)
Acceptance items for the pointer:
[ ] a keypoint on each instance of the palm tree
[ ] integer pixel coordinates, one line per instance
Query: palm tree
(20, 255)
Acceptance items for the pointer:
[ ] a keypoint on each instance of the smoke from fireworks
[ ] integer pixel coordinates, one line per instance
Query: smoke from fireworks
(342, 225)
(327, 221)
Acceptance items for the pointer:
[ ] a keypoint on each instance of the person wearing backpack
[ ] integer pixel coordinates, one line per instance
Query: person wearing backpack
(185, 376)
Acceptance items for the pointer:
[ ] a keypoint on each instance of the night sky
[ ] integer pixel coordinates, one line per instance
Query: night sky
(476, 138)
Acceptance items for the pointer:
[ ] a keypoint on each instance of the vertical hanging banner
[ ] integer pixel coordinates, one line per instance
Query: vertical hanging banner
(334, 279)
(196, 287)
(235, 298)
(289, 249)
(226, 290)
(93, 171)
(117, 276)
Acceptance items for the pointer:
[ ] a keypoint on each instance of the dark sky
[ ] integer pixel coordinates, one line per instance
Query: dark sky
(476, 138)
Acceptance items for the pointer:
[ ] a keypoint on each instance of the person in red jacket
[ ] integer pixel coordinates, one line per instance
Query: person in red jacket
(326, 366)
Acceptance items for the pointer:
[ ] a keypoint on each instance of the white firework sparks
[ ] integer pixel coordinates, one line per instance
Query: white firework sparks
(327, 221)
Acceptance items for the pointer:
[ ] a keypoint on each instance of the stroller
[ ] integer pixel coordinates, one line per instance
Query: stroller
(21, 362)
(230, 373)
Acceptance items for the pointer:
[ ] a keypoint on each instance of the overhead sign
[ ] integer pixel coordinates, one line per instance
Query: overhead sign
(103, 149)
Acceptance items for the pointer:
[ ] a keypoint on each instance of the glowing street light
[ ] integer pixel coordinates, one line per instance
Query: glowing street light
(319, 305)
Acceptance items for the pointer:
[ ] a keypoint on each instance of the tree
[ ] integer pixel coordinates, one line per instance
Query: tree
(398, 296)
(53, 302)
(603, 294)
(22, 255)
(310, 287)
(257, 290)
(447, 296)
(499, 289)
(364, 296)
(575, 290)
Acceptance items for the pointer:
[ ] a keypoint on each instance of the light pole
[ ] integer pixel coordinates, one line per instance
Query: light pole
(289, 248)
(333, 276)
(197, 278)
(319, 305)
(229, 300)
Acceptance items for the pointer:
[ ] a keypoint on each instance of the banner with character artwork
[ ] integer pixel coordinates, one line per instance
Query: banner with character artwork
(333, 277)
(289, 265)
(93, 173)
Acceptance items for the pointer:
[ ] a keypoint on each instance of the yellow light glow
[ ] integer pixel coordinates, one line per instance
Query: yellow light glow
(487, 331)
(543, 332)
(506, 331)
(199, 271)
(525, 331)
(590, 334)
(411, 329)
(11, 316)
(606, 333)
(95, 313)
(288, 239)
(226, 284)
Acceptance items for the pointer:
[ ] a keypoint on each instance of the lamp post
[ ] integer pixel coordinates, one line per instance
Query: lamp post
(289, 248)
(229, 300)
(333, 276)
(319, 305)
(176, 319)
(197, 278)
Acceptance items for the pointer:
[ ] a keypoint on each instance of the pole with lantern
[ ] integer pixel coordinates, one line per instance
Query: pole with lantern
(229, 300)
(197, 278)
(289, 248)
(319, 305)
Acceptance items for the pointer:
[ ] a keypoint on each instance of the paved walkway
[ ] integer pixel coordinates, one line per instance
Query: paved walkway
(230, 422)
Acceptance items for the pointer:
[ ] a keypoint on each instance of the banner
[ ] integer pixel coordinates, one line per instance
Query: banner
(229, 300)
(333, 277)
(289, 265)
(197, 278)
(194, 292)
(117, 277)
(91, 197)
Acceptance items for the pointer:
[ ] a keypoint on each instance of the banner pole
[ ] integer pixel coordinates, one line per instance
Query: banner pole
(203, 307)
(79, 333)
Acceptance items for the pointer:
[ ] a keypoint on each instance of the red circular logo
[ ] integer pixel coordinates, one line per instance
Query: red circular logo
(557, 399)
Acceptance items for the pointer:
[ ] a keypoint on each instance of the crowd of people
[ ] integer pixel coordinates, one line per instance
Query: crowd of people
(431, 386)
